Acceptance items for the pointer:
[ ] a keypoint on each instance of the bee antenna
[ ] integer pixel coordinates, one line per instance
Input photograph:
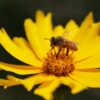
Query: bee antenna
(46, 39)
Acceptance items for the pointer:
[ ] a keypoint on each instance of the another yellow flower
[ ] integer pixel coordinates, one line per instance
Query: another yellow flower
(78, 69)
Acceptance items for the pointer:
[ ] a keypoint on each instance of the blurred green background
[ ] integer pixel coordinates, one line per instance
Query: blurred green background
(12, 16)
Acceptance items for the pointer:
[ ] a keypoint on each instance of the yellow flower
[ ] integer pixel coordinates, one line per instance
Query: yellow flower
(48, 66)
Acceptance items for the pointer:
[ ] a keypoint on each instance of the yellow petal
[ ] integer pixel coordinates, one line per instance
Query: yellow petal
(31, 81)
(78, 88)
(92, 33)
(44, 25)
(90, 70)
(71, 29)
(22, 43)
(85, 51)
(58, 30)
(33, 36)
(90, 62)
(86, 24)
(90, 38)
(75, 86)
(20, 69)
(90, 79)
(47, 89)
(91, 41)
(88, 75)
(21, 54)
(1, 84)
(40, 15)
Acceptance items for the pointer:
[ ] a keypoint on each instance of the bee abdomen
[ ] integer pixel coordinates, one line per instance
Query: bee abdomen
(72, 46)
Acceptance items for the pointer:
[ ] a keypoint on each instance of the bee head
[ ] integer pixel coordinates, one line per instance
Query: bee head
(53, 41)
(56, 41)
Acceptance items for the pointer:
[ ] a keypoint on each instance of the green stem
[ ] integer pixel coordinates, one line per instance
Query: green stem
(60, 93)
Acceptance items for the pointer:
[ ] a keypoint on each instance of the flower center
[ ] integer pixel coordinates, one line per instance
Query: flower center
(58, 65)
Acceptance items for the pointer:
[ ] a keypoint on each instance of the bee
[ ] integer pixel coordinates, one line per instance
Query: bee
(62, 42)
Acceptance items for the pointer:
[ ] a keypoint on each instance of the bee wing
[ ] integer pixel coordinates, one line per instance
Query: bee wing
(66, 34)
(76, 42)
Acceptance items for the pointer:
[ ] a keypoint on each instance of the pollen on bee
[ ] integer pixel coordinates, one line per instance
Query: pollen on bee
(58, 66)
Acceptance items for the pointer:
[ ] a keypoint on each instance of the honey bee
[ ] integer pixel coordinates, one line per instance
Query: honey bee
(62, 42)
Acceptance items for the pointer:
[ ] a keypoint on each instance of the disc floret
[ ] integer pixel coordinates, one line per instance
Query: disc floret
(60, 65)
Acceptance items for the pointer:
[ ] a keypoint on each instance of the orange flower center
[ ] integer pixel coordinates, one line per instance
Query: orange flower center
(58, 65)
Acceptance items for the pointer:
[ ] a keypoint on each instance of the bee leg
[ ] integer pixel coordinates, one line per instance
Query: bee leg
(58, 52)
(67, 52)
(72, 53)
(52, 48)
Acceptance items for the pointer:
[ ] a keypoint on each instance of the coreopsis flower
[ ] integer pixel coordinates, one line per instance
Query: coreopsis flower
(74, 61)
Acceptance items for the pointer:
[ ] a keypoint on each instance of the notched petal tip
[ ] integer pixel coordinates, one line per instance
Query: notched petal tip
(39, 15)
(58, 30)
(3, 31)
(49, 15)
(46, 91)
(71, 28)
(28, 20)
(90, 15)
(88, 19)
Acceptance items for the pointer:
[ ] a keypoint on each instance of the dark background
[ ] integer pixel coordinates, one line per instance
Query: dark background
(12, 16)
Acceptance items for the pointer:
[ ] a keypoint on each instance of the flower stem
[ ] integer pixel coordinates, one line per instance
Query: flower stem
(60, 93)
